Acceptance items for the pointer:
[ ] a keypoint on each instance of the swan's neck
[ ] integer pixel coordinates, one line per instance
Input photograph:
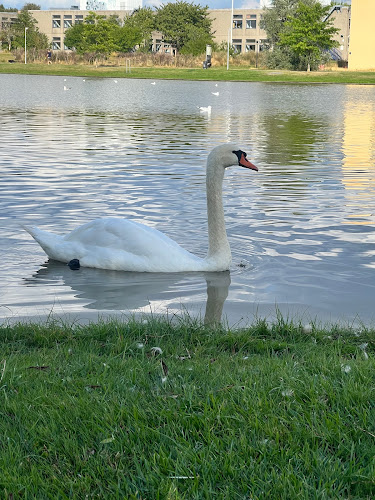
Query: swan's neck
(218, 245)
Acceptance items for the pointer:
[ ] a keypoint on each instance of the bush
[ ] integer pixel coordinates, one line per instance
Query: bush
(278, 59)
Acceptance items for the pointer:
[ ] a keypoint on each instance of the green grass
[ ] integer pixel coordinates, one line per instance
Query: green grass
(215, 73)
(266, 411)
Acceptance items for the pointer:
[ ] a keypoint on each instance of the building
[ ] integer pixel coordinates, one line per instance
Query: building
(246, 33)
(110, 4)
(54, 23)
(340, 15)
(362, 35)
(243, 30)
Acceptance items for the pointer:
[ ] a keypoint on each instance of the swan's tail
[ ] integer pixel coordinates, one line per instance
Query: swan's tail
(52, 244)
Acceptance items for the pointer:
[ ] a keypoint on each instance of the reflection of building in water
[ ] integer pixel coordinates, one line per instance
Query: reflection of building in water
(358, 173)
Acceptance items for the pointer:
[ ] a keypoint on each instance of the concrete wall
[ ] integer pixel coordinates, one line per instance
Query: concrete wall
(362, 35)
(246, 32)
(340, 15)
(54, 23)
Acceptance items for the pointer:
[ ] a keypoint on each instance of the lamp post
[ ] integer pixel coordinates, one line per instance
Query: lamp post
(230, 35)
(256, 53)
(26, 28)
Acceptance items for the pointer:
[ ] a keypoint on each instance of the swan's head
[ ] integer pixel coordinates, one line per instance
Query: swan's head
(228, 155)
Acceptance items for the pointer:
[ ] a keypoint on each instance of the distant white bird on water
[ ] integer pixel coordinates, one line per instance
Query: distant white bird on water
(204, 109)
(215, 93)
(124, 245)
(67, 88)
(153, 83)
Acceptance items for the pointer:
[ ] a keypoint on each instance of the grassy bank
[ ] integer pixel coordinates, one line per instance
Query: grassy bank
(215, 73)
(265, 412)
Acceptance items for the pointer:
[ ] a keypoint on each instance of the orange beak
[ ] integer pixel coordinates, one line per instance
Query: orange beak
(246, 163)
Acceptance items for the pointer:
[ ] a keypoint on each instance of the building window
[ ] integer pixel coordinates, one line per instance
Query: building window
(251, 21)
(56, 43)
(237, 22)
(68, 23)
(250, 45)
(78, 19)
(237, 46)
(56, 22)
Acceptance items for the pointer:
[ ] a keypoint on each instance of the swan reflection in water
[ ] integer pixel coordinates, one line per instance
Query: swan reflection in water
(126, 291)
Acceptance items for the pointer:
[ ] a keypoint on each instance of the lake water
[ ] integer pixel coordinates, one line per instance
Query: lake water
(301, 229)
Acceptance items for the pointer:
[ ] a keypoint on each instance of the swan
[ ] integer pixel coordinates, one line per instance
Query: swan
(205, 109)
(124, 245)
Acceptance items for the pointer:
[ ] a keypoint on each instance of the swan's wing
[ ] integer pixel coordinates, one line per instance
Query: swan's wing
(118, 244)
(124, 235)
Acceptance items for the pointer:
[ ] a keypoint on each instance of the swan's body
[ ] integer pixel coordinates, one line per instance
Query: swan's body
(205, 109)
(123, 245)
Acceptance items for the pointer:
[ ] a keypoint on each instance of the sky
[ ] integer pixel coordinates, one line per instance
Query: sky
(212, 4)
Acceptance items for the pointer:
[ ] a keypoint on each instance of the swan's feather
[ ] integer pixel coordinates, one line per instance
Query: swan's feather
(117, 244)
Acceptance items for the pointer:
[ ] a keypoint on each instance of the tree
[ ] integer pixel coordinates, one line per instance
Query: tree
(137, 29)
(7, 9)
(74, 37)
(196, 42)
(31, 6)
(143, 20)
(7, 35)
(177, 20)
(306, 33)
(35, 39)
(97, 35)
(274, 18)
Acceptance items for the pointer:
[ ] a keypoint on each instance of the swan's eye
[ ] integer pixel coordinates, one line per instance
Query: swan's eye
(239, 154)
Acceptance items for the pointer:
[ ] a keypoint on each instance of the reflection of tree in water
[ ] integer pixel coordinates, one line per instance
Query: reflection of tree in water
(140, 127)
(290, 140)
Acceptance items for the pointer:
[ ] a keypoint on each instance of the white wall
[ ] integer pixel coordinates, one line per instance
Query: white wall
(109, 4)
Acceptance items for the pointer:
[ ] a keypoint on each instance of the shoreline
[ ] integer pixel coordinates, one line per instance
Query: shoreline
(235, 74)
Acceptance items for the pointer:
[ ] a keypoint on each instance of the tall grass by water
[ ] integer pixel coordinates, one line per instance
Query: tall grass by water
(188, 68)
(165, 408)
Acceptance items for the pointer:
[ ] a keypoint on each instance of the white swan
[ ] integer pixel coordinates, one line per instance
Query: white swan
(205, 109)
(123, 245)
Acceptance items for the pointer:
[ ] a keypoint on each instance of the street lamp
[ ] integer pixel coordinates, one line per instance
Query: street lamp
(230, 36)
(26, 28)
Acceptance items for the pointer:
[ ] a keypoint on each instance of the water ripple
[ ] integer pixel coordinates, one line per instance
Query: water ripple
(301, 229)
